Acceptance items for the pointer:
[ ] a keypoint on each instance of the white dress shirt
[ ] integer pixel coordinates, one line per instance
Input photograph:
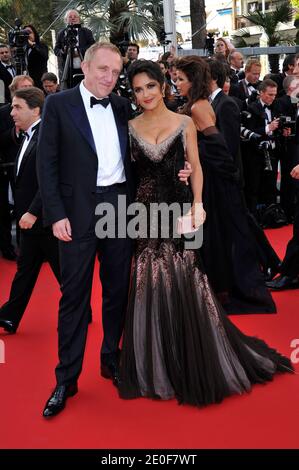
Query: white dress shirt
(214, 94)
(25, 143)
(110, 163)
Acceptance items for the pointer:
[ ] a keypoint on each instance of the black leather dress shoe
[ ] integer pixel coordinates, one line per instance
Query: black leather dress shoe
(57, 400)
(111, 371)
(283, 283)
(9, 253)
(8, 326)
(270, 273)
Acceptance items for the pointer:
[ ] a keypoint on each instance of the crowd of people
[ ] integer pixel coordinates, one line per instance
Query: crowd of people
(196, 131)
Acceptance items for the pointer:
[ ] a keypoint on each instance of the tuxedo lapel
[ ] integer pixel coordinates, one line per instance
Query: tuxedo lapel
(26, 155)
(121, 121)
(79, 117)
(216, 101)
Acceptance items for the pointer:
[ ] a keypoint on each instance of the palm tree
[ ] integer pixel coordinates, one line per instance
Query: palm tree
(120, 19)
(269, 23)
(198, 23)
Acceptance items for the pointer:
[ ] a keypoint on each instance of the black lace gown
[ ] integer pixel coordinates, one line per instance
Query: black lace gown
(177, 340)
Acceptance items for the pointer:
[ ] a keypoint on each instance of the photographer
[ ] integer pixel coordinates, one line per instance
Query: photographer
(260, 156)
(75, 37)
(36, 55)
(7, 71)
(287, 108)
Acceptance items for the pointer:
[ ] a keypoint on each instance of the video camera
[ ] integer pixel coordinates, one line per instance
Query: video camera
(18, 40)
(18, 37)
(71, 34)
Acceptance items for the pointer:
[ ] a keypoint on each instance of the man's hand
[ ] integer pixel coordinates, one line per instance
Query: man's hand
(295, 172)
(62, 230)
(273, 125)
(27, 221)
(185, 173)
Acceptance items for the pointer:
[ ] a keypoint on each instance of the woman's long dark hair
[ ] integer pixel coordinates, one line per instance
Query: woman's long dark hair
(36, 35)
(198, 73)
(152, 70)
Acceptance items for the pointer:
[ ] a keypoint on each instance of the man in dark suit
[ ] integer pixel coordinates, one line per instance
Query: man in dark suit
(79, 168)
(7, 70)
(287, 71)
(225, 106)
(36, 242)
(289, 272)
(10, 140)
(287, 105)
(260, 183)
(84, 39)
(248, 85)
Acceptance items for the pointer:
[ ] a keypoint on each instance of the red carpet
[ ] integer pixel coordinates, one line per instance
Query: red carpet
(96, 418)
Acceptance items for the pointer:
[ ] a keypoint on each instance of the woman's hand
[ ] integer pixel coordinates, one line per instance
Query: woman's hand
(185, 173)
(198, 214)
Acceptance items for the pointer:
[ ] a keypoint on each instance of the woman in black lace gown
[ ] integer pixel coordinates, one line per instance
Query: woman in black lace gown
(229, 249)
(177, 340)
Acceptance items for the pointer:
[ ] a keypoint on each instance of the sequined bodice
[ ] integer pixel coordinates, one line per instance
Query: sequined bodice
(158, 165)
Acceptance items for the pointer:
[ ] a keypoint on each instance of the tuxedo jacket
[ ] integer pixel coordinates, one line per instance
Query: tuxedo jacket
(37, 62)
(86, 40)
(67, 160)
(228, 123)
(7, 79)
(243, 90)
(27, 195)
(9, 142)
(256, 122)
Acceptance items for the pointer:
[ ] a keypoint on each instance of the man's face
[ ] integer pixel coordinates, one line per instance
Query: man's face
(25, 83)
(296, 68)
(22, 115)
(5, 54)
(49, 86)
(73, 17)
(132, 53)
(268, 95)
(253, 74)
(237, 60)
(102, 72)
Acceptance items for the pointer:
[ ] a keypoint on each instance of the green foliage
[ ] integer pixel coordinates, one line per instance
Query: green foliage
(114, 18)
(270, 21)
(39, 13)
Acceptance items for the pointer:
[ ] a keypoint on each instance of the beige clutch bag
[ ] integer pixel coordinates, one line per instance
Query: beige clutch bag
(184, 225)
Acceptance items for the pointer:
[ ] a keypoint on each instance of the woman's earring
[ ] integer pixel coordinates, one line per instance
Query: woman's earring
(163, 92)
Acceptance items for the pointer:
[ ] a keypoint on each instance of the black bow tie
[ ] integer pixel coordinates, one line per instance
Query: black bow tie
(254, 85)
(104, 101)
(25, 135)
(267, 106)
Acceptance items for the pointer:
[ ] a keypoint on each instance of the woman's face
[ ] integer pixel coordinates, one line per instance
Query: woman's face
(183, 84)
(220, 47)
(148, 92)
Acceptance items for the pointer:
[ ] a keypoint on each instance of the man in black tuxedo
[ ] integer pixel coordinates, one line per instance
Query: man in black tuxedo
(248, 85)
(79, 167)
(289, 272)
(225, 106)
(287, 105)
(10, 141)
(236, 61)
(7, 70)
(260, 184)
(287, 71)
(36, 242)
(84, 40)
